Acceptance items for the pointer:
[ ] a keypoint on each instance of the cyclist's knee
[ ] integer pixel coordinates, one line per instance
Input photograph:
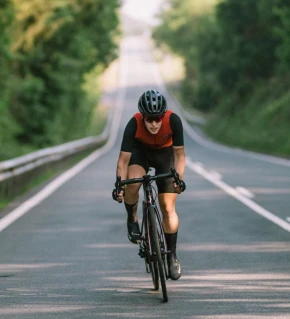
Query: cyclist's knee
(132, 189)
(167, 203)
(167, 208)
(170, 221)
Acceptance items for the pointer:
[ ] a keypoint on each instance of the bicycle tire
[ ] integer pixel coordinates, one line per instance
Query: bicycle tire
(156, 250)
(154, 274)
(153, 266)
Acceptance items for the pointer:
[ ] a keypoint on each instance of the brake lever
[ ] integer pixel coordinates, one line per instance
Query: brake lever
(118, 184)
(175, 176)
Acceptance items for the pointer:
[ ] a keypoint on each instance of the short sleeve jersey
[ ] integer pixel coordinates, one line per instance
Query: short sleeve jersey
(170, 133)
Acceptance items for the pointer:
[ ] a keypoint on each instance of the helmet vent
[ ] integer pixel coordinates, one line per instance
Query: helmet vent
(152, 102)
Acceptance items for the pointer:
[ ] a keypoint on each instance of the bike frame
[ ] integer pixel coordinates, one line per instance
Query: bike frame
(145, 230)
(149, 201)
(152, 229)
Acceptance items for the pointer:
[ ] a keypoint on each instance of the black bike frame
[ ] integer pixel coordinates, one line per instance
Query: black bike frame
(149, 201)
(154, 260)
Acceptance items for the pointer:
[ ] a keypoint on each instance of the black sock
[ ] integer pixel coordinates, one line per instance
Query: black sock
(130, 210)
(171, 240)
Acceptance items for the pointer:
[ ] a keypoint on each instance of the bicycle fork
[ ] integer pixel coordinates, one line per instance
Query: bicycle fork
(145, 247)
(163, 245)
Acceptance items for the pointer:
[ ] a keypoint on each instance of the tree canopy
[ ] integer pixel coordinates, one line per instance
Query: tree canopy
(228, 46)
(46, 49)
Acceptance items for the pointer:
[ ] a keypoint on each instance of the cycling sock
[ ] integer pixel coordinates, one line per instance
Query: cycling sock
(171, 240)
(131, 211)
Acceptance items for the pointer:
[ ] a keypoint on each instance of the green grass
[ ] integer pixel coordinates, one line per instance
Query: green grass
(4, 203)
(261, 125)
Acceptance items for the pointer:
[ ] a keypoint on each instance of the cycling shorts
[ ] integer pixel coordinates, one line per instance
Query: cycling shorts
(161, 159)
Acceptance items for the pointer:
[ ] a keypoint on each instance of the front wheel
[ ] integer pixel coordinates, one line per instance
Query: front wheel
(154, 273)
(156, 252)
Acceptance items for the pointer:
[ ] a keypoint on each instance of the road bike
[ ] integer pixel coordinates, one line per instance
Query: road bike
(152, 246)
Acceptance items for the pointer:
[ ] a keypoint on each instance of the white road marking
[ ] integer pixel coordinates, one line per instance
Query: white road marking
(288, 219)
(63, 178)
(245, 192)
(199, 163)
(234, 193)
(215, 174)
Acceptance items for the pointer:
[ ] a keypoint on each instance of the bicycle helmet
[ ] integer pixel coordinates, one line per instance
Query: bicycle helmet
(152, 102)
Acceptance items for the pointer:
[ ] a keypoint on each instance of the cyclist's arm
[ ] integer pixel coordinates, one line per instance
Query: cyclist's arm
(126, 148)
(179, 160)
(178, 144)
(122, 164)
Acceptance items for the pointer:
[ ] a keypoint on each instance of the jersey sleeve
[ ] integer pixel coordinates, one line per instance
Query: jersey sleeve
(177, 130)
(129, 136)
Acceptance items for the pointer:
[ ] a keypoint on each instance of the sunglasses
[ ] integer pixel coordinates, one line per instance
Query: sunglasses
(156, 119)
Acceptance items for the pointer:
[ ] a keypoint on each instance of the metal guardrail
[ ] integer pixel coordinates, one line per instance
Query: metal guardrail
(16, 174)
(33, 160)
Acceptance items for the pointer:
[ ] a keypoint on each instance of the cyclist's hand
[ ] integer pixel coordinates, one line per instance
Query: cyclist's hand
(118, 196)
(178, 183)
(118, 192)
(179, 188)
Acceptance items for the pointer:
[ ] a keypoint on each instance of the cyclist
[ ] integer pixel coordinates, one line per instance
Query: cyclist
(153, 137)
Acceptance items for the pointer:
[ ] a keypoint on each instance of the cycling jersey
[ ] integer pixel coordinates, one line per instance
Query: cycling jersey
(154, 150)
(170, 133)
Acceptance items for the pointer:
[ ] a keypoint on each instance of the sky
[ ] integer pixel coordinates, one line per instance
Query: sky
(143, 10)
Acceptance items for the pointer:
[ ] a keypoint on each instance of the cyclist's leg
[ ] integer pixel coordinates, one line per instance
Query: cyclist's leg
(132, 190)
(167, 197)
(137, 168)
(170, 226)
(169, 216)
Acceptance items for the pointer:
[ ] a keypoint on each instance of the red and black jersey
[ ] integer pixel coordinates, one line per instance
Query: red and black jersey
(170, 133)
(162, 139)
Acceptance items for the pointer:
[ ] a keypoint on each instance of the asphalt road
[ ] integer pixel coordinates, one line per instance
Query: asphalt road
(68, 256)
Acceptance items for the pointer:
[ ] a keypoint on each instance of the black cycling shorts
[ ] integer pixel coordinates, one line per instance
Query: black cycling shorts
(161, 159)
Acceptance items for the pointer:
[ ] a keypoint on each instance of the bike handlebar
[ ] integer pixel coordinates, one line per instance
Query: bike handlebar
(173, 174)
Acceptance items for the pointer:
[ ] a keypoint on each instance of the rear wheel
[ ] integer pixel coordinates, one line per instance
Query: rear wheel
(157, 252)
